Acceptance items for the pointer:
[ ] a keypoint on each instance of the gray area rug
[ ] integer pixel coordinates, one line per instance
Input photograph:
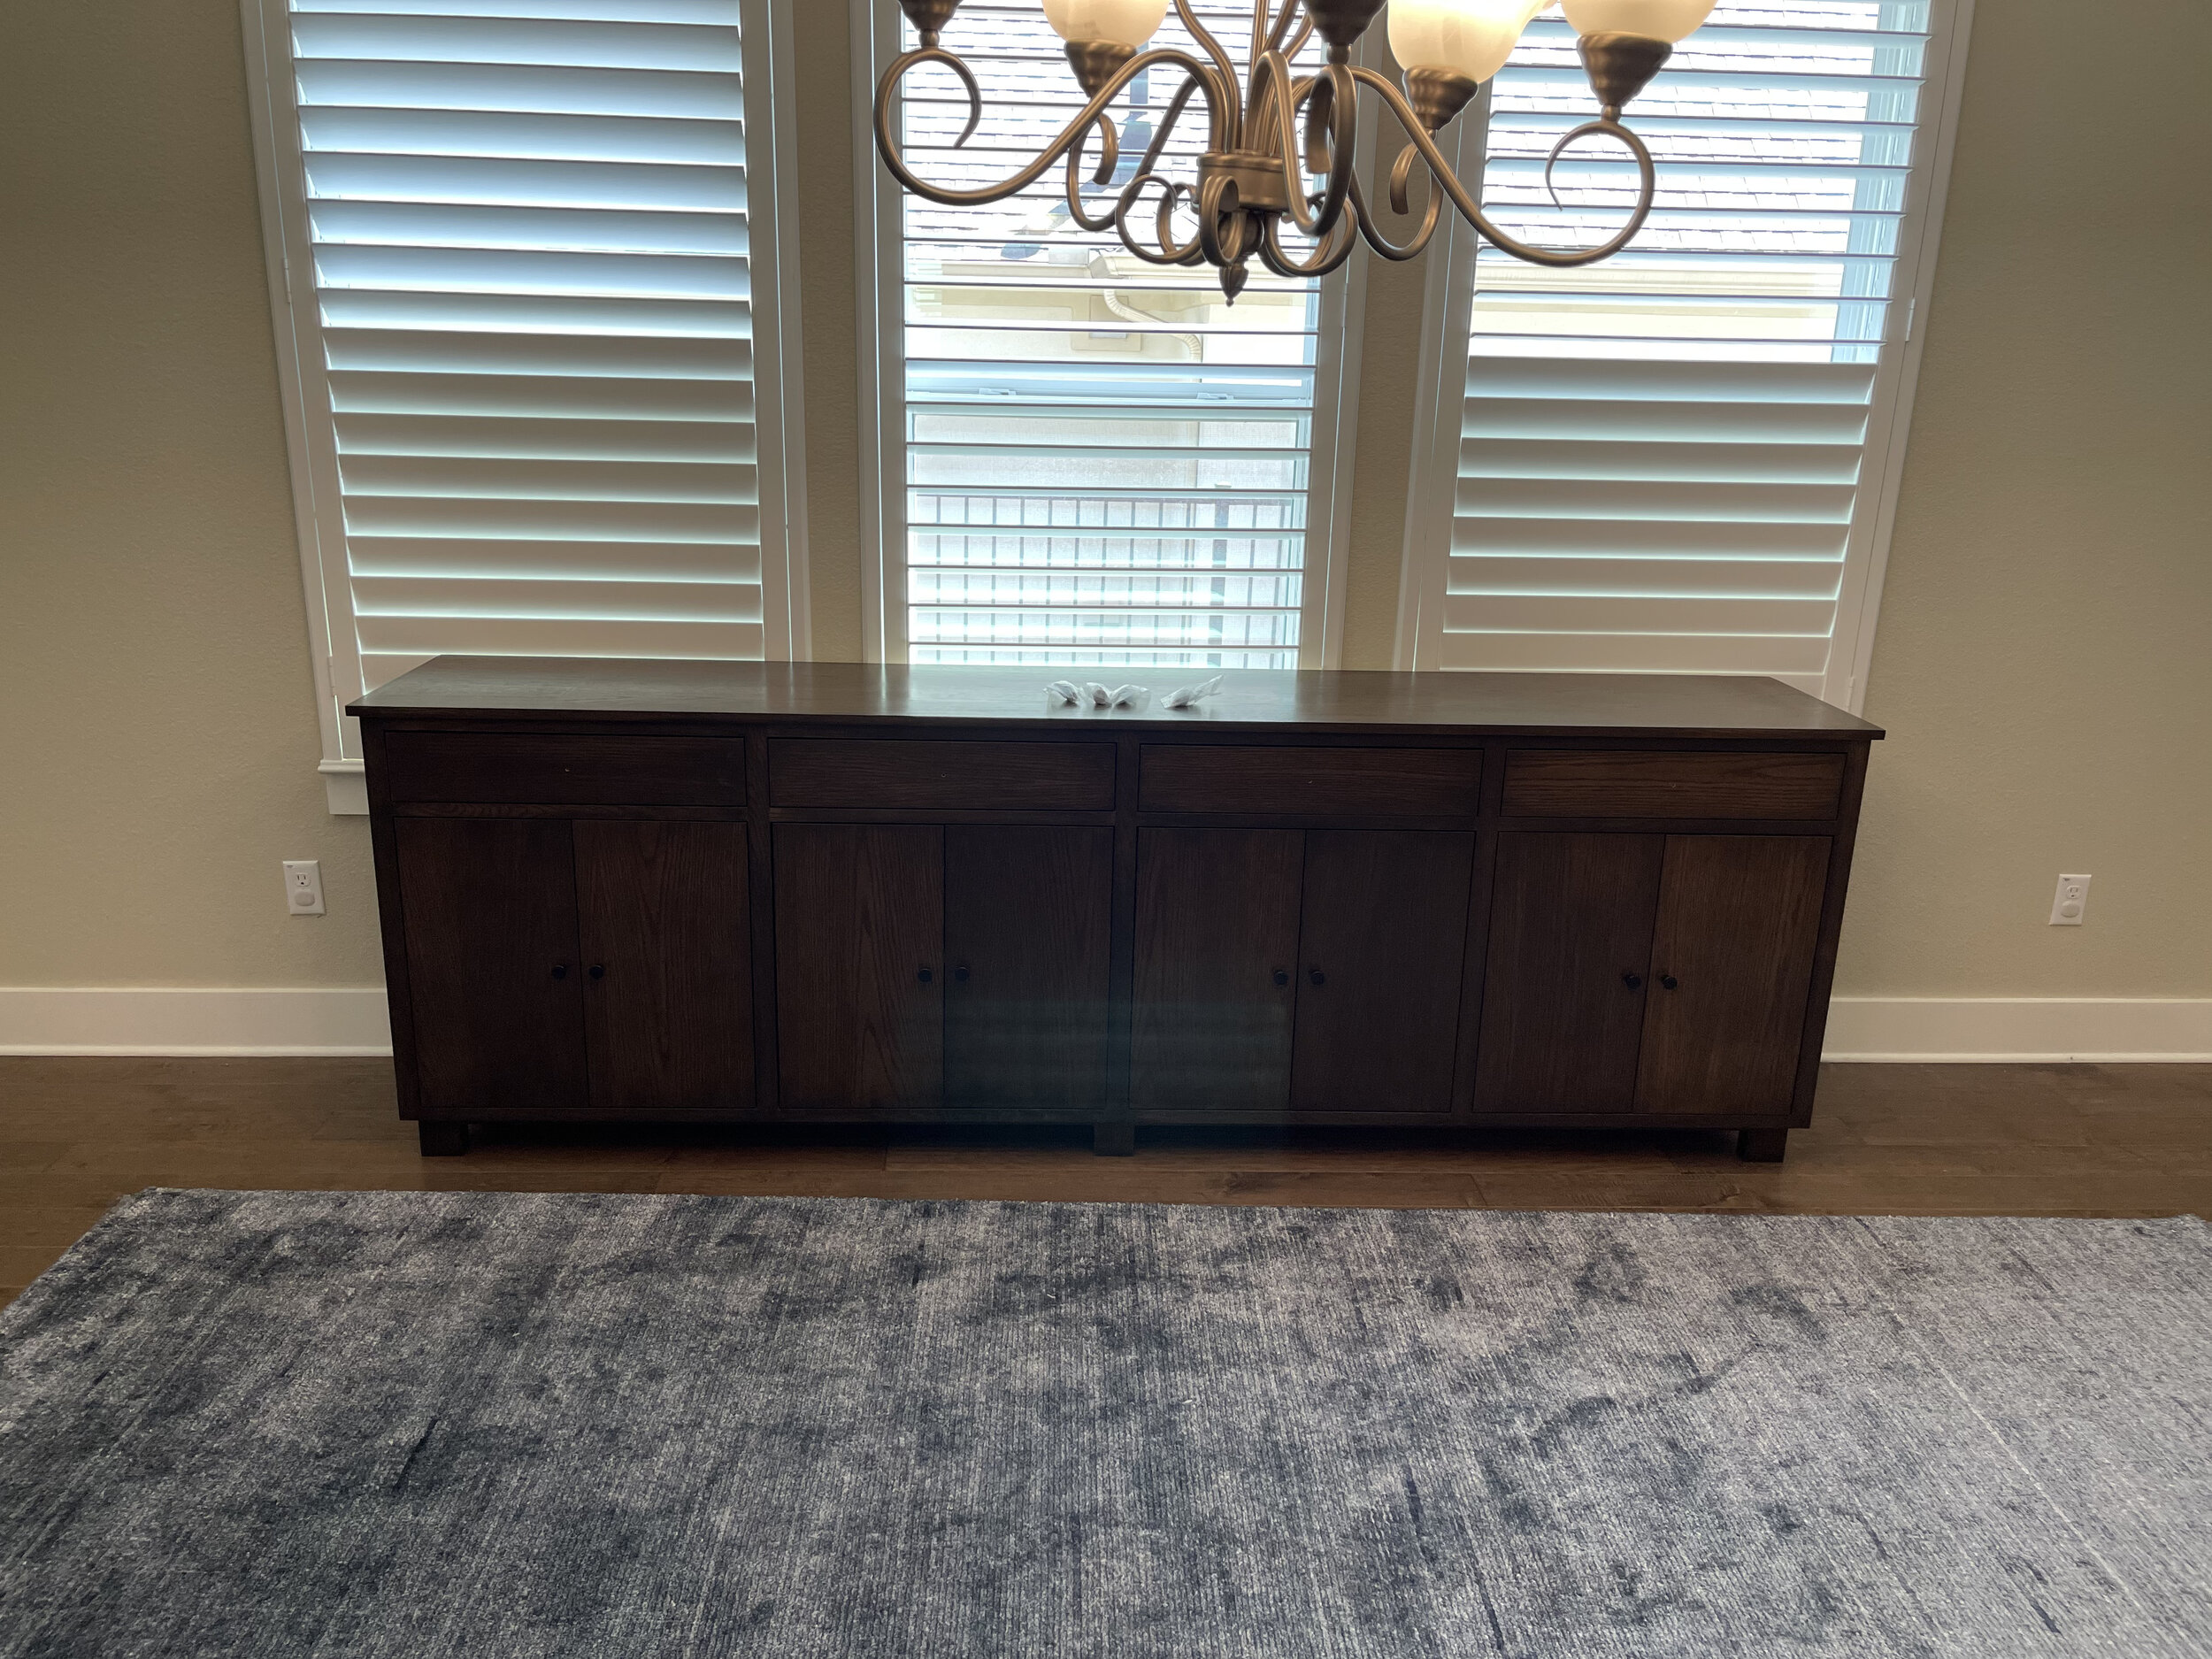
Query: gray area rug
(491, 1425)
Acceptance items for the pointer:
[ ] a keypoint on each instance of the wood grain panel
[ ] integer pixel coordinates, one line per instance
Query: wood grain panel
(859, 967)
(1738, 919)
(1028, 938)
(1598, 783)
(560, 769)
(924, 772)
(667, 949)
(1381, 949)
(1570, 922)
(1302, 779)
(901, 698)
(1217, 928)
(492, 963)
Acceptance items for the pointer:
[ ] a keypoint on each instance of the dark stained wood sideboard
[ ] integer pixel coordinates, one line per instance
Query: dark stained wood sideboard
(668, 891)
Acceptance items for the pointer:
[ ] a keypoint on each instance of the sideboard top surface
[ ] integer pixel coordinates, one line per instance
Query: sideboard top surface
(861, 694)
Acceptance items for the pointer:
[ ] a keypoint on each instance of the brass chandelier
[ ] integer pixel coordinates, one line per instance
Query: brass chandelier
(1272, 131)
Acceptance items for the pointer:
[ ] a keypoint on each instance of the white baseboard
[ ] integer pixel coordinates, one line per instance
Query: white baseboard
(194, 1021)
(351, 1021)
(2050, 1029)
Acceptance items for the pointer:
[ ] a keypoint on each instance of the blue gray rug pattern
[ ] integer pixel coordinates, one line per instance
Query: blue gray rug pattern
(324, 1424)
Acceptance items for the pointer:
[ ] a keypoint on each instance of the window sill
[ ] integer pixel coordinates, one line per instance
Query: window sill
(347, 788)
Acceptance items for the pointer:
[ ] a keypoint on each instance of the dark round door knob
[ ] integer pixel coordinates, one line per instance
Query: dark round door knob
(560, 970)
(1632, 979)
(1316, 976)
(960, 973)
(1670, 981)
(925, 975)
(598, 971)
(1281, 976)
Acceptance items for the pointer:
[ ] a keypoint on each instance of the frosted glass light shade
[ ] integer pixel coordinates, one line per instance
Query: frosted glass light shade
(1125, 22)
(1469, 37)
(1658, 19)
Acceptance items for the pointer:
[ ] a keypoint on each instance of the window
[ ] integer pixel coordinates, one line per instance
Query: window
(1082, 457)
(1682, 459)
(537, 371)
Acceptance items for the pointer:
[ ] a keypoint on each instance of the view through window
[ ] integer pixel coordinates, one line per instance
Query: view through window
(1105, 463)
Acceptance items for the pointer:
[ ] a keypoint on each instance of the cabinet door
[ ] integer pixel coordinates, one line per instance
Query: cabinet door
(1216, 941)
(1382, 944)
(860, 1007)
(1564, 990)
(667, 953)
(492, 974)
(1739, 921)
(1028, 943)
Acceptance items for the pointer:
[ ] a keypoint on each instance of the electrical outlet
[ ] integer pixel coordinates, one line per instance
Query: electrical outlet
(2070, 903)
(303, 886)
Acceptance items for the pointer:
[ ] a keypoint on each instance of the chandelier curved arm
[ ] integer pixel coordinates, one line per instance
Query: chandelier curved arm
(1401, 175)
(1381, 243)
(1110, 219)
(1333, 250)
(1226, 234)
(1276, 36)
(1276, 94)
(1228, 121)
(1079, 125)
(1109, 154)
(1194, 251)
(1471, 211)
(1171, 252)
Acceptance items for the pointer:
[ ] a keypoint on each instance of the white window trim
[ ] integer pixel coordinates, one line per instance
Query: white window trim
(771, 151)
(1438, 402)
(877, 233)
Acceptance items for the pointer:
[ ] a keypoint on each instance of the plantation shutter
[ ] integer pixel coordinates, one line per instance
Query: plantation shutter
(1671, 461)
(529, 380)
(1090, 459)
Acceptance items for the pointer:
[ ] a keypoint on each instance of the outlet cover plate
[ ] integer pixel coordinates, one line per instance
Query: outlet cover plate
(2070, 903)
(303, 886)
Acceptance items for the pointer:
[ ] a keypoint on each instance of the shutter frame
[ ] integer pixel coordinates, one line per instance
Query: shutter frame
(649, 500)
(1464, 439)
(904, 605)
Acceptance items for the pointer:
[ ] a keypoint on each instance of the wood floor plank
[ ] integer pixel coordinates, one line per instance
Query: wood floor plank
(444, 1178)
(1381, 1151)
(791, 1180)
(27, 1261)
(709, 1160)
(1921, 1140)
(1134, 1184)
(41, 1224)
(1631, 1189)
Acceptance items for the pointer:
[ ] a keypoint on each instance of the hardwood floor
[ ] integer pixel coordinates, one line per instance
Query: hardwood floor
(76, 1135)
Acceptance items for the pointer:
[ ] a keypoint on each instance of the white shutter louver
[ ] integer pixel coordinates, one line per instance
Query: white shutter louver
(1102, 460)
(529, 231)
(1666, 460)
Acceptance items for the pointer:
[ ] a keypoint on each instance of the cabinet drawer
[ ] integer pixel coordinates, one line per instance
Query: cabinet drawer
(1595, 783)
(860, 772)
(554, 770)
(1307, 781)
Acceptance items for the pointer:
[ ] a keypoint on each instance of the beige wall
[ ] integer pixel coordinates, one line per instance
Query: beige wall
(158, 739)
(2044, 656)
(2044, 663)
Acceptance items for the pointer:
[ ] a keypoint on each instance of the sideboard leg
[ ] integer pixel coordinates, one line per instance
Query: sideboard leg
(443, 1139)
(1114, 1139)
(1762, 1146)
